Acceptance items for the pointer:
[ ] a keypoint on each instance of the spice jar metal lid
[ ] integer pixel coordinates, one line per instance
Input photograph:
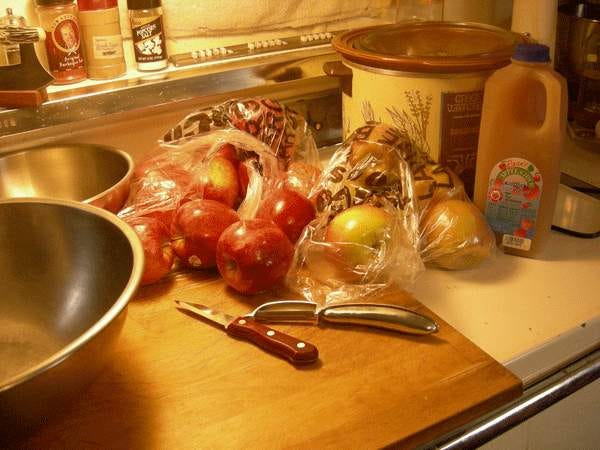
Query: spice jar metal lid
(53, 2)
(143, 4)
(433, 47)
(94, 5)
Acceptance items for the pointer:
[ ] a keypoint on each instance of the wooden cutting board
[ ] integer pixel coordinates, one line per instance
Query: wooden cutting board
(176, 383)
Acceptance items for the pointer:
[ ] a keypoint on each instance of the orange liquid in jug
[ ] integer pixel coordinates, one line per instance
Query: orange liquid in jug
(522, 133)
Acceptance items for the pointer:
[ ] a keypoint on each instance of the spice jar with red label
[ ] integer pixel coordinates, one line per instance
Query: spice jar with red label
(148, 34)
(59, 20)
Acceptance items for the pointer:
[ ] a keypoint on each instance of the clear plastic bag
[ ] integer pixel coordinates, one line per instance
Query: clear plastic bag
(365, 236)
(233, 153)
(180, 171)
(435, 182)
(280, 127)
(453, 233)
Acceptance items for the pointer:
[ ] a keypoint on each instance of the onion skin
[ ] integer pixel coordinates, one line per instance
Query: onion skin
(455, 236)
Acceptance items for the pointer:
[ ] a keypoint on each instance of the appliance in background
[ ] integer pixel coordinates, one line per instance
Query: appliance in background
(578, 60)
(578, 53)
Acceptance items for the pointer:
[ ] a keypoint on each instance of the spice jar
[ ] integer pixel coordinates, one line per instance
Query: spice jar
(59, 20)
(149, 42)
(102, 39)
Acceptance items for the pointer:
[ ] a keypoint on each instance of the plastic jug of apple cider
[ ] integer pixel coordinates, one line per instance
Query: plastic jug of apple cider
(522, 132)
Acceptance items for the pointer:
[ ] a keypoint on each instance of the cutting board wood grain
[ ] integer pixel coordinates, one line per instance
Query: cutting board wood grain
(178, 382)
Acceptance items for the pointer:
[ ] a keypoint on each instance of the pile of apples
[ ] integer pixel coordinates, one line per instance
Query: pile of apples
(196, 221)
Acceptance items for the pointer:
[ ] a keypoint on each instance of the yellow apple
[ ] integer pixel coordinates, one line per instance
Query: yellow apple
(356, 236)
(455, 235)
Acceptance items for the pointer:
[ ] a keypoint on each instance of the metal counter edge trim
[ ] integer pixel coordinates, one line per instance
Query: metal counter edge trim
(534, 400)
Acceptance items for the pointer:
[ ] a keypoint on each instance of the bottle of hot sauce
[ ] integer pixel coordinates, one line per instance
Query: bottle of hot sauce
(63, 40)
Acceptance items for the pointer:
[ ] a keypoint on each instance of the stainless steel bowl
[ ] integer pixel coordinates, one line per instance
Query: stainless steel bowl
(68, 271)
(89, 173)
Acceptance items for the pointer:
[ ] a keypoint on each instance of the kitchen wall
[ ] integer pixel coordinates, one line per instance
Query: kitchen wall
(215, 23)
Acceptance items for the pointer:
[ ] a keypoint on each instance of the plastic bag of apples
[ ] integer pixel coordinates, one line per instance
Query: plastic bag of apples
(384, 210)
(280, 127)
(366, 233)
(453, 233)
(229, 170)
(185, 196)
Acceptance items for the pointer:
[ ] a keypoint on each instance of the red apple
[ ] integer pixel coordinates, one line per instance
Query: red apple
(220, 182)
(290, 210)
(196, 228)
(527, 224)
(159, 192)
(358, 233)
(243, 178)
(531, 193)
(158, 254)
(229, 152)
(520, 232)
(253, 255)
(151, 164)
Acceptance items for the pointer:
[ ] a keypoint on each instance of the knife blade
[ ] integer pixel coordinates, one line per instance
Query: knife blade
(276, 342)
(378, 315)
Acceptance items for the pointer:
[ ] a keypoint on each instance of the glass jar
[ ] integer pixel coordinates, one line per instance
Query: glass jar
(10, 54)
(147, 31)
(102, 39)
(59, 20)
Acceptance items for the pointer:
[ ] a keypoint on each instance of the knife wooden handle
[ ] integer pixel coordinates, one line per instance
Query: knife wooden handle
(281, 344)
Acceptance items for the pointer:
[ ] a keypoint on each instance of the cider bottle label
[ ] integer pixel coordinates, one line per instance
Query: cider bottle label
(513, 200)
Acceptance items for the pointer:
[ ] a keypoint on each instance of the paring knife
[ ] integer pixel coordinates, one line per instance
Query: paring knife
(389, 317)
(281, 344)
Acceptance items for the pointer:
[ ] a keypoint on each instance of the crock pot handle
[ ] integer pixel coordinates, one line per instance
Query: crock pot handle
(344, 73)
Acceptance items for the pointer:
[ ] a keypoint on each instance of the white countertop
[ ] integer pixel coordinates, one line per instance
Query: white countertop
(532, 315)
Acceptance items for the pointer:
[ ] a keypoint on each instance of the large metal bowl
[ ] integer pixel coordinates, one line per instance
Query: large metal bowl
(68, 271)
(89, 173)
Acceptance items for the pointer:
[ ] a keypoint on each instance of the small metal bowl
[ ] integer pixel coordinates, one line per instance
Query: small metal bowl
(68, 272)
(88, 173)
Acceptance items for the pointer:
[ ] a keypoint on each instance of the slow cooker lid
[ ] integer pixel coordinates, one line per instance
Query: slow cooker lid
(429, 46)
